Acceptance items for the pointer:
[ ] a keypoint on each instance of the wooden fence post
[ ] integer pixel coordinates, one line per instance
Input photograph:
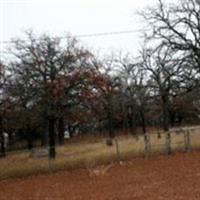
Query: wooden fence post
(168, 142)
(117, 149)
(187, 140)
(147, 145)
(188, 133)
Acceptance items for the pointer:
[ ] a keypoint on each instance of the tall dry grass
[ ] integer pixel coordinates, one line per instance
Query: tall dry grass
(89, 155)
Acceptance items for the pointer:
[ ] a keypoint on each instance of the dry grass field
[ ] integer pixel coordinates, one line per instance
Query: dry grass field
(89, 155)
(160, 177)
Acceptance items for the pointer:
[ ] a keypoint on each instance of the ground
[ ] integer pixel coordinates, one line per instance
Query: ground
(175, 177)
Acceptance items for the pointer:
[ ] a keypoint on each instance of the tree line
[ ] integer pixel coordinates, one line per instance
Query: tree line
(49, 84)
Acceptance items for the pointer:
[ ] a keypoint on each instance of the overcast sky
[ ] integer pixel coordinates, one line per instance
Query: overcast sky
(58, 17)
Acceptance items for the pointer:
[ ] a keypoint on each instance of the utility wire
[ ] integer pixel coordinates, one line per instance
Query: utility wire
(103, 34)
(89, 35)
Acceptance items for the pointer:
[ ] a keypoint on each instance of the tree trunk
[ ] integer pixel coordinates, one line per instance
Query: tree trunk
(52, 151)
(110, 124)
(61, 130)
(172, 117)
(143, 121)
(124, 120)
(165, 102)
(100, 128)
(29, 137)
(71, 131)
(44, 136)
(45, 124)
(133, 125)
(132, 120)
(30, 141)
(3, 150)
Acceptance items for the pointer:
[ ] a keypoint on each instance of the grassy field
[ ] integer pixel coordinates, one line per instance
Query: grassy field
(89, 155)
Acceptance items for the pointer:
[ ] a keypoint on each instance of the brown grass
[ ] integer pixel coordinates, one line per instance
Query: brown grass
(88, 155)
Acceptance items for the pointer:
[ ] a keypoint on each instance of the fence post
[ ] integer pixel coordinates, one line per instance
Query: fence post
(149, 141)
(168, 142)
(188, 141)
(185, 140)
(117, 149)
(50, 162)
(146, 145)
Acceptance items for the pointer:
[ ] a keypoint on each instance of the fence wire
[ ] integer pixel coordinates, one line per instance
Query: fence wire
(89, 155)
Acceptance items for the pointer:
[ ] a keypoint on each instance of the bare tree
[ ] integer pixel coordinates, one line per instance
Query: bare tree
(42, 62)
(164, 70)
(178, 25)
(134, 90)
(2, 108)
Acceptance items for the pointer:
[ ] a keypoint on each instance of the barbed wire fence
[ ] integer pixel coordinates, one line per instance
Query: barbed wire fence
(90, 155)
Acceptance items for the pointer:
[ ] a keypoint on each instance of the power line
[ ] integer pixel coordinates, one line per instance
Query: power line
(106, 33)
(89, 35)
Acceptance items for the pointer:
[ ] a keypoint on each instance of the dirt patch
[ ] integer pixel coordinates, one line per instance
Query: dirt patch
(175, 177)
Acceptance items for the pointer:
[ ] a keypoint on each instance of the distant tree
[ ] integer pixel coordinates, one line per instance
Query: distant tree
(41, 61)
(135, 93)
(126, 73)
(108, 86)
(2, 106)
(177, 24)
(164, 69)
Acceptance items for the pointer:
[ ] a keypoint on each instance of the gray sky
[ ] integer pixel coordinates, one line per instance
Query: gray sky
(58, 17)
